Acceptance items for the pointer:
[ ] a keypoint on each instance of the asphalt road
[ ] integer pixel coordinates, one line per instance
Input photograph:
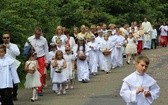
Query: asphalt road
(103, 89)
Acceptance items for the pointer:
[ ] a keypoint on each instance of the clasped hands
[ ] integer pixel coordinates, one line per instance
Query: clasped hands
(141, 89)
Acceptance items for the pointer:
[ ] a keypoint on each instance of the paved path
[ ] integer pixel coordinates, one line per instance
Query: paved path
(103, 89)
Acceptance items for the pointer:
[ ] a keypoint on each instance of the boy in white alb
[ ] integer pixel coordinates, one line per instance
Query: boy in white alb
(8, 76)
(139, 88)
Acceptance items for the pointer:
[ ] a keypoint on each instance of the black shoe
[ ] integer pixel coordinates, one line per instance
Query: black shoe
(40, 94)
(32, 100)
(127, 62)
(15, 98)
(124, 56)
(84, 81)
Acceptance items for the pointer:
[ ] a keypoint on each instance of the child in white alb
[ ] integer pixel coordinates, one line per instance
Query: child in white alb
(8, 76)
(81, 53)
(139, 88)
(70, 73)
(93, 55)
(51, 59)
(106, 48)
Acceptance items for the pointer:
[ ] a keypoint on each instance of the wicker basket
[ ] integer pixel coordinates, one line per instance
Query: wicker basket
(106, 53)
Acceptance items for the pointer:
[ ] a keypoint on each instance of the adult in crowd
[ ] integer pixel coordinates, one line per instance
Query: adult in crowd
(40, 45)
(112, 27)
(82, 32)
(60, 34)
(93, 29)
(12, 51)
(163, 35)
(147, 27)
(71, 41)
(104, 28)
(75, 33)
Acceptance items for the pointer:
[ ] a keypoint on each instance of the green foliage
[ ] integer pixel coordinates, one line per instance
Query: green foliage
(19, 17)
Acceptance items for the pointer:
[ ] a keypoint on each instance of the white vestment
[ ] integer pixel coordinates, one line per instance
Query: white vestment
(51, 59)
(12, 52)
(106, 60)
(62, 37)
(8, 74)
(99, 40)
(69, 59)
(116, 55)
(82, 65)
(147, 28)
(62, 48)
(93, 56)
(164, 30)
(130, 84)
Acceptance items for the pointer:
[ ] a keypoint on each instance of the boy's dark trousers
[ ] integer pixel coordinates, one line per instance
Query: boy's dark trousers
(6, 96)
(153, 44)
(15, 89)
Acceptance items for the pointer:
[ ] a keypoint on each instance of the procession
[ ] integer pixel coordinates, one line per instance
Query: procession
(66, 59)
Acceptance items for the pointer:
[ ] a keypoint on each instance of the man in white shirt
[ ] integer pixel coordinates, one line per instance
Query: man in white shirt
(12, 51)
(39, 43)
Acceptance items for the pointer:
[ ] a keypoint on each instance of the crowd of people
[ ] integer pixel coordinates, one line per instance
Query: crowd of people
(88, 50)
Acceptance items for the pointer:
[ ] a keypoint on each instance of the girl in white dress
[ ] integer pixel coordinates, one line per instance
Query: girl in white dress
(70, 73)
(81, 52)
(33, 75)
(131, 48)
(59, 76)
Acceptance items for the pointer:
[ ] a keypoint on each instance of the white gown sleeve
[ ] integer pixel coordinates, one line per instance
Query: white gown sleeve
(14, 74)
(87, 50)
(75, 50)
(128, 95)
(155, 91)
(15, 50)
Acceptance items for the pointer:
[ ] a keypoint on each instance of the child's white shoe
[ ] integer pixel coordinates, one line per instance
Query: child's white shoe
(67, 87)
(36, 97)
(71, 87)
(58, 93)
(32, 99)
(64, 91)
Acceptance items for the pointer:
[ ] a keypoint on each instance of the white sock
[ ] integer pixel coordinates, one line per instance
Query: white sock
(34, 93)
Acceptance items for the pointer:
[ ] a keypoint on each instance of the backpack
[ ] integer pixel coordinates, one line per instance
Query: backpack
(27, 49)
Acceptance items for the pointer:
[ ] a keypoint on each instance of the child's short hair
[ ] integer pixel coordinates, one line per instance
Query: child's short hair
(3, 47)
(143, 58)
